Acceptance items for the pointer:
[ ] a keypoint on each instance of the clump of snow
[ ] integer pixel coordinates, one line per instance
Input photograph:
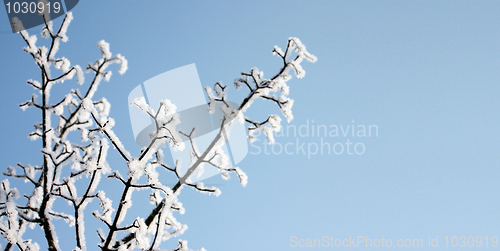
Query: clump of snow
(123, 64)
(104, 46)
(80, 78)
(242, 176)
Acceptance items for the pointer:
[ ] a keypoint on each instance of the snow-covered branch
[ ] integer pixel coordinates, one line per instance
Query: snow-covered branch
(71, 170)
(258, 87)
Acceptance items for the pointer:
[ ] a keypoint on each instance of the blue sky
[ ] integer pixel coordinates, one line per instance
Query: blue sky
(426, 73)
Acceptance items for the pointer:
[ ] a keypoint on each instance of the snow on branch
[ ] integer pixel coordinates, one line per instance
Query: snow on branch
(165, 119)
(87, 161)
(258, 87)
(71, 170)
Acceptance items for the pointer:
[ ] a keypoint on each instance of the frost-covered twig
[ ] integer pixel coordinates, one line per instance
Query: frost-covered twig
(87, 159)
(261, 89)
(57, 151)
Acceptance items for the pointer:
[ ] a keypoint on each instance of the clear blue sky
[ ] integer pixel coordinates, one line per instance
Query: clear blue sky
(426, 73)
